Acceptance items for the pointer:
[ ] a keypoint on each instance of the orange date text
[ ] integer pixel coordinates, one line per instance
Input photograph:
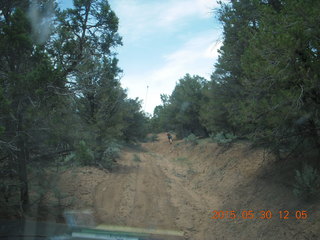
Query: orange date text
(262, 214)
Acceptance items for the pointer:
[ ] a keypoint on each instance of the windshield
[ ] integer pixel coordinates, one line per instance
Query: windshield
(173, 119)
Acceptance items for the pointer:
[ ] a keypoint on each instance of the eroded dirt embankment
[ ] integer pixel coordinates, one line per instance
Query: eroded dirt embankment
(178, 186)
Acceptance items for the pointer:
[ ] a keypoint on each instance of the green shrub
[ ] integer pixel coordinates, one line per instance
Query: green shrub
(84, 154)
(181, 159)
(191, 139)
(152, 138)
(112, 151)
(110, 155)
(68, 158)
(136, 158)
(222, 138)
(1, 129)
(307, 183)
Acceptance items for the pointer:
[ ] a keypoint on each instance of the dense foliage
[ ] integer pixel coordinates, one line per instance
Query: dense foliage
(180, 111)
(61, 99)
(265, 86)
(60, 94)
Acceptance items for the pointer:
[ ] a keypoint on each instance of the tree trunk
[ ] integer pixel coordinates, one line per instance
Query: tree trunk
(316, 138)
(22, 158)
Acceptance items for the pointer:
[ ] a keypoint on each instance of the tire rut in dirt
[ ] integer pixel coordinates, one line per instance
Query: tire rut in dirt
(138, 198)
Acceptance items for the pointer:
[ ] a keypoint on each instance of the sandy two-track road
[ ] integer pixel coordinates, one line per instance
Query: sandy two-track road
(178, 186)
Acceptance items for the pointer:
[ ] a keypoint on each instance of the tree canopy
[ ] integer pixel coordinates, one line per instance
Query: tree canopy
(265, 84)
(60, 90)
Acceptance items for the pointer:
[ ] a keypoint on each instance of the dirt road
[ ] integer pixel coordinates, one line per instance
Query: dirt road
(177, 187)
(152, 192)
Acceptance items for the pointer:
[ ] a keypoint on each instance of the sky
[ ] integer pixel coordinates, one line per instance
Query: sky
(162, 41)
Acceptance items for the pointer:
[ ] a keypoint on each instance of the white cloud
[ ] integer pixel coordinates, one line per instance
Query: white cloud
(176, 11)
(206, 7)
(140, 18)
(196, 57)
(145, 20)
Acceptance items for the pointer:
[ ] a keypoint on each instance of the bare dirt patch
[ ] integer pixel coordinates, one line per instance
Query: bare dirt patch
(178, 186)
